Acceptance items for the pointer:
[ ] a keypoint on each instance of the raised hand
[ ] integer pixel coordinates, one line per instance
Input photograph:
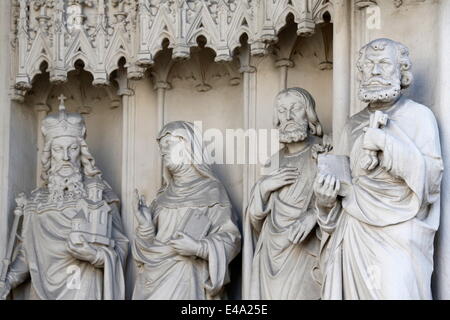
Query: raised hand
(326, 188)
(374, 140)
(141, 210)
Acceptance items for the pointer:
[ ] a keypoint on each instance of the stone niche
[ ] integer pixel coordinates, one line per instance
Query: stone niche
(124, 117)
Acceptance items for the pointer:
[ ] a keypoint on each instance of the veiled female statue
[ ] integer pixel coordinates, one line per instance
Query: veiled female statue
(187, 237)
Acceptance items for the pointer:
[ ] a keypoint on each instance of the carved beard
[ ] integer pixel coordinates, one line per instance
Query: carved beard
(388, 91)
(291, 132)
(65, 186)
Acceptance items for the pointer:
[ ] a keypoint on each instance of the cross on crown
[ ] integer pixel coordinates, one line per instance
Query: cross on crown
(63, 123)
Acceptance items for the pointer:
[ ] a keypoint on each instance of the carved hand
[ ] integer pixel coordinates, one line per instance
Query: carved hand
(278, 179)
(83, 251)
(185, 245)
(326, 188)
(298, 233)
(5, 288)
(374, 139)
(141, 210)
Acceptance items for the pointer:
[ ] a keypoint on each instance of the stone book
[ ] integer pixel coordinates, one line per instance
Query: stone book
(196, 225)
(338, 166)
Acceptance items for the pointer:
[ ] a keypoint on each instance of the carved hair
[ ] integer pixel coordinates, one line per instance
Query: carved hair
(402, 58)
(87, 160)
(306, 99)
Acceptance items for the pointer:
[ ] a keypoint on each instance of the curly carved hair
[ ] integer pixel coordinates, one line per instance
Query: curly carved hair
(403, 58)
(87, 160)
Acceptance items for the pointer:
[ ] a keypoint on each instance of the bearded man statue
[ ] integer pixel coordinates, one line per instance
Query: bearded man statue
(72, 245)
(281, 243)
(187, 237)
(378, 236)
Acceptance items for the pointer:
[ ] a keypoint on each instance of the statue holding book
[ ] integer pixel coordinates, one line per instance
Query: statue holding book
(71, 243)
(281, 244)
(378, 198)
(187, 237)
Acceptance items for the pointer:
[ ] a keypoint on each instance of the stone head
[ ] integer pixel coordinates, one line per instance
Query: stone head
(65, 155)
(182, 150)
(179, 145)
(65, 151)
(295, 114)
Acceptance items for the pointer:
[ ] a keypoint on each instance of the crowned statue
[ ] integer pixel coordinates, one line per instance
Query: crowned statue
(71, 244)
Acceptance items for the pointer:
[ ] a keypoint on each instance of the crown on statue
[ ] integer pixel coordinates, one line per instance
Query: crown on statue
(63, 123)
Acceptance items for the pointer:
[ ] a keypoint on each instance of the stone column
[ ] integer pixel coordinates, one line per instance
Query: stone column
(441, 280)
(128, 150)
(360, 37)
(249, 105)
(287, 40)
(5, 119)
(161, 87)
(250, 94)
(341, 65)
(283, 65)
(160, 73)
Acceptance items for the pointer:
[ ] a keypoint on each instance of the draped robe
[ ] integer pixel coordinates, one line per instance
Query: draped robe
(274, 267)
(163, 274)
(378, 240)
(55, 274)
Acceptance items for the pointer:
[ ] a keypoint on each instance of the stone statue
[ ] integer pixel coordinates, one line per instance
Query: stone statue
(186, 238)
(281, 244)
(378, 235)
(72, 245)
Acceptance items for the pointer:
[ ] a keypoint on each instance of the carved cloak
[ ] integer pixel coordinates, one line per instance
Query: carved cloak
(163, 273)
(273, 267)
(55, 274)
